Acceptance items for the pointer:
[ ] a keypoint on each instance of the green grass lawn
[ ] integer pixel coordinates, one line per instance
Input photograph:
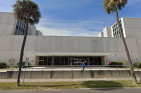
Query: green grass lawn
(68, 85)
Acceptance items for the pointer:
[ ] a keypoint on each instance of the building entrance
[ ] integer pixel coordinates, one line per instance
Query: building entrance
(65, 60)
(45, 60)
(78, 60)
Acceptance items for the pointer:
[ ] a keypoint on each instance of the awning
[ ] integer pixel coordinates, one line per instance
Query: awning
(69, 54)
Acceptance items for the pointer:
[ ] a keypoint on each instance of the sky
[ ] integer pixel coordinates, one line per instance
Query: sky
(75, 17)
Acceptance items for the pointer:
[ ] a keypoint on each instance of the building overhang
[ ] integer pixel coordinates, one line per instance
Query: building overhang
(69, 54)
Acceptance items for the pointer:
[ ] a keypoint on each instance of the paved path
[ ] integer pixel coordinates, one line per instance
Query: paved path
(64, 80)
(63, 69)
(94, 90)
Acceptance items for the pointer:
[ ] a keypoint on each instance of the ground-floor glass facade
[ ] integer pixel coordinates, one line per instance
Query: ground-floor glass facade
(68, 60)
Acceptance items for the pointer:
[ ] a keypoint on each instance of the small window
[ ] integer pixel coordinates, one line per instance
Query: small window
(24, 26)
(17, 27)
(23, 30)
(18, 22)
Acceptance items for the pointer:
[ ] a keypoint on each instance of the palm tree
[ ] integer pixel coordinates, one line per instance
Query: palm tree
(28, 12)
(111, 6)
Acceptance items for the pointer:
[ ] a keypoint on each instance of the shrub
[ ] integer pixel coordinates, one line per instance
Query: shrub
(135, 65)
(23, 63)
(2, 65)
(116, 63)
(119, 64)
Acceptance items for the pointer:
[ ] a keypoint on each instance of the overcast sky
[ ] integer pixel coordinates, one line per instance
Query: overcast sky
(75, 17)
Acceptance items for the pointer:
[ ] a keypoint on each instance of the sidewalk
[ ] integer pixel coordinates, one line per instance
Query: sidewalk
(63, 69)
(64, 80)
(93, 90)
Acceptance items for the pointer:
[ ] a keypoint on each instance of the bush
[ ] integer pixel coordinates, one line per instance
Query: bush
(23, 63)
(116, 63)
(2, 65)
(135, 65)
(119, 64)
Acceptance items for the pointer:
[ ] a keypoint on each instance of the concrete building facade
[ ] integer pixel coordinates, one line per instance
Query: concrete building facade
(68, 50)
(131, 28)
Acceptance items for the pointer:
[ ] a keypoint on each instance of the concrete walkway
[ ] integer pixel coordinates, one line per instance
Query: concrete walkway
(63, 80)
(63, 69)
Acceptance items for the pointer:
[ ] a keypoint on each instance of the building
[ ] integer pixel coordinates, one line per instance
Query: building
(68, 50)
(131, 28)
(10, 26)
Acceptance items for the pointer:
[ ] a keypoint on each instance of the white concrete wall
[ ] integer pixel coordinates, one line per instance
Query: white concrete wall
(132, 27)
(31, 30)
(7, 23)
(39, 33)
(100, 34)
(11, 45)
(107, 32)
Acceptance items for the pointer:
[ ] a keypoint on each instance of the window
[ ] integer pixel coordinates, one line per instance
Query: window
(18, 22)
(19, 30)
(24, 26)
(17, 27)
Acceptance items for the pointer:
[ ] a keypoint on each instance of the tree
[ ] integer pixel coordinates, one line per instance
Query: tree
(28, 12)
(111, 6)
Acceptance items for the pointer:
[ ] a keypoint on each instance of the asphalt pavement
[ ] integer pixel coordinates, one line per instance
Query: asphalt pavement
(94, 90)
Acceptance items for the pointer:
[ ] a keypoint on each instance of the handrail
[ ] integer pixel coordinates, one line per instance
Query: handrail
(71, 67)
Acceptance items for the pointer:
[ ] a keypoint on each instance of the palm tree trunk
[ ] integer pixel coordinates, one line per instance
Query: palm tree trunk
(126, 49)
(21, 54)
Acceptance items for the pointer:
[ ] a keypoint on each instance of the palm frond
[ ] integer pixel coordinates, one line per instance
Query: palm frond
(27, 8)
(111, 5)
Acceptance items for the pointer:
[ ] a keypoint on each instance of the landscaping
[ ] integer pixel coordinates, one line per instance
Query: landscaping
(69, 85)
(115, 64)
(136, 65)
(3, 65)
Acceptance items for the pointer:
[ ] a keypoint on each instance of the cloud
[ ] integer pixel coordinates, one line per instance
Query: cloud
(51, 26)
(131, 2)
(61, 4)
(6, 5)
(58, 32)
(59, 23)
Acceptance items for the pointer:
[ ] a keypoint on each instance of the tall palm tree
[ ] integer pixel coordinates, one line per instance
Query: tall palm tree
(28, 12)
(111, 6)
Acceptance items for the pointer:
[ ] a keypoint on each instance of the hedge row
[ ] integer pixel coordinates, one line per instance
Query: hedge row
(135, 64)
(119, 64)
(23, 63)
(2, 65)
(116, 63)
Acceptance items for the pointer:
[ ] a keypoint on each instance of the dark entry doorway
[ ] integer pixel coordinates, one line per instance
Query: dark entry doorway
(69, 60)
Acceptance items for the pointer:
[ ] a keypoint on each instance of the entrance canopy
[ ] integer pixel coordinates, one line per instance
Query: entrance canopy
(69, 54)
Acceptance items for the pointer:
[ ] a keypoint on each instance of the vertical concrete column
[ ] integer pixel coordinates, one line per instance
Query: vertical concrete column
(71, 61)
(52, 63)
(88, 60)
(103, 60)
(36, 60)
